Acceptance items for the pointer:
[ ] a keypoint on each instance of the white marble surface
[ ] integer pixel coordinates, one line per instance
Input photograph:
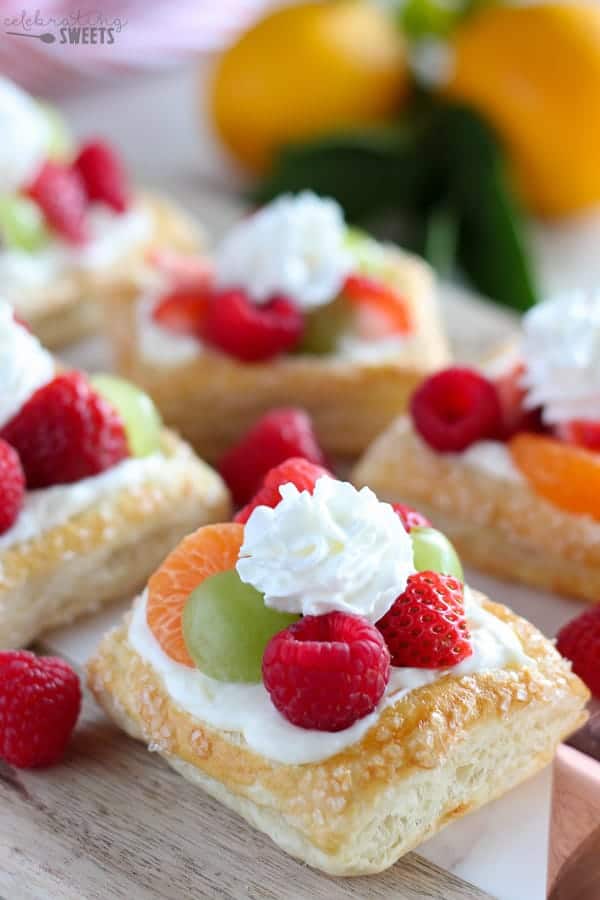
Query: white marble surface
(503, 847)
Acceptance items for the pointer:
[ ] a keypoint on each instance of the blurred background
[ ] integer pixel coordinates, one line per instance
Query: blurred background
(468, 130)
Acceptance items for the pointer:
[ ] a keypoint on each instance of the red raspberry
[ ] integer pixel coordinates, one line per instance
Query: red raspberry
(60, 193)
(12, 486)
(66, 432)
(426, 627)
(276, 436)
(40, 699)
(300, 472)
(454, 408)
(515, 417)
(183, 311)
(411, 518)
(326, 672)
(250, 332)
(581, 432)
(579, 641)
(103, 175)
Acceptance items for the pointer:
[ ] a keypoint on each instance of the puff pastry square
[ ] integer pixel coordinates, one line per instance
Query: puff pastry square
(439, 752)
(105, 552)
(71, 307)
(214, 399)
(497, 524)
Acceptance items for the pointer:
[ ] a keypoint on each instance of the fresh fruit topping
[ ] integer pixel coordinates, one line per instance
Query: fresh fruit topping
(433, 552)
(324, 326)
(426, 627)
(326, 672)
(455, 408)
(411, 518)
(374, 296)
(40, 699)
(60, 193)
(180, 269)
(581, 432)
(277, 436)
(143, 424)
(22, 223)
(226, 627)
(66, 432)
(579, 641)
(515, 416)
(249, 332)
(208, 551)
(567, 476)
(183, 311)
(60, 144)
(103, 175)
(295, 470)
(12, 486)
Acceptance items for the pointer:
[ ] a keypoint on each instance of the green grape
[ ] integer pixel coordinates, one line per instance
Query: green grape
(140, 416)
(22, 223)
(324, 326)
(433, 552)
(60, 143)
(226, 627)
(369, 254)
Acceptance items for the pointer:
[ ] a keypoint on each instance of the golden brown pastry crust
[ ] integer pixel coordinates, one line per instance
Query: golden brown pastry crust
(214, 399)
(106, 552)
(439, 752)
(71, 307)
(498, 525)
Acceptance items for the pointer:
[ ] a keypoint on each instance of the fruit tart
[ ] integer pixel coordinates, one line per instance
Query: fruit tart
(294, 309)
(319, 666)
(507, 459)
(93, 491)
(71, 227)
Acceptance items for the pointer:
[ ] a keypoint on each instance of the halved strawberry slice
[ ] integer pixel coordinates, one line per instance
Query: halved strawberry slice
(515, 416)
(183, 310)
(382, 309)
(182, 270)
(60, 193)
(581, 432)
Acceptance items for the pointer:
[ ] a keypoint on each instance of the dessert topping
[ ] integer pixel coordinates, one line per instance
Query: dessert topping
(25, 137)
(251, 333)
(335, 549)
(326, 672)
(579, 641)
(103, 175)
(24, 364)
(12, 486)
(60, 194)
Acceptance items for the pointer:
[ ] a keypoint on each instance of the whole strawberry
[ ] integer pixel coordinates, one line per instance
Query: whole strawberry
(66, 432)
(426, 627)
(579, 641)
(12, 486)
(40, 700)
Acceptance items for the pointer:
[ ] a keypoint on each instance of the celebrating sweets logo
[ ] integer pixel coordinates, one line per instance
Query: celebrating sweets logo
(78, 27)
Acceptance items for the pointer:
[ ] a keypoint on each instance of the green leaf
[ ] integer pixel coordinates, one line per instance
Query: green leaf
(441, 238)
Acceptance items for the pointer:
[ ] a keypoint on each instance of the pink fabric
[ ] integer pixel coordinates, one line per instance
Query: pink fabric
(145, 34)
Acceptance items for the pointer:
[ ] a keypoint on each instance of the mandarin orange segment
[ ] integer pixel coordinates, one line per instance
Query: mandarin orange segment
(567, 476)
(208, 551)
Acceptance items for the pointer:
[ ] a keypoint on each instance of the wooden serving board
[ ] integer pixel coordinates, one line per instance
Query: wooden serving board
(114, 821)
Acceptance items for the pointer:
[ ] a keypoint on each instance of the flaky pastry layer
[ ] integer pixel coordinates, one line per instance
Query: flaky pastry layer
(438, 753)
(214, 399)
(106, 552)
(71, 306)
(498, 525)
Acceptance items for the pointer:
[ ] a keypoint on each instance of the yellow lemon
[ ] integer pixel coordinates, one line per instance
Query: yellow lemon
(534, 73)
(307, 69)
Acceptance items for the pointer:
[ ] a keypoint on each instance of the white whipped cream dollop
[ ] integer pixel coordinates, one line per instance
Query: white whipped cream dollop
(24, 365)
(561, 349)
(112, 237)
(247, 708)
(295, 246)
(334, 549)
(24, 137)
